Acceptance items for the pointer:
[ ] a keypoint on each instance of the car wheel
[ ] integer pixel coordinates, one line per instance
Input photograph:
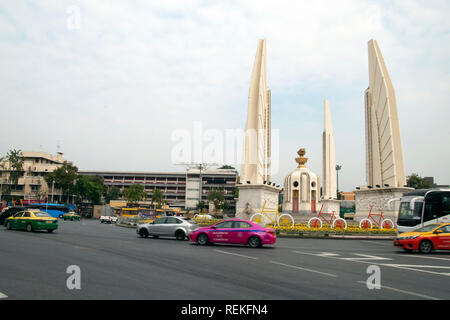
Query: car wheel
(254, 242)
(143, 233)
(425, 246)
(202, 239)
(180, 235)
(8, 226)
(49, 230)
(29, 227)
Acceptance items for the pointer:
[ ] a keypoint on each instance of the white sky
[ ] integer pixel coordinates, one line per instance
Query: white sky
(112, 90)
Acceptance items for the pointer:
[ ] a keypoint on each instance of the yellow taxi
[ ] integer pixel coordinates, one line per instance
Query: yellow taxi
(435, 236)
(31, 220)
(72, 216)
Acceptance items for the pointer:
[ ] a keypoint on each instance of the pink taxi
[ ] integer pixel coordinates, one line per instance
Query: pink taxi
(234, 231)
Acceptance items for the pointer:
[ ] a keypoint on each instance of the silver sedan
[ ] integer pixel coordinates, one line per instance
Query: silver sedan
(178, 227)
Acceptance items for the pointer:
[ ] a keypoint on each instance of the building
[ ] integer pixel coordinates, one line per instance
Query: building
(32, 185)
(430, 180)
(180, 189)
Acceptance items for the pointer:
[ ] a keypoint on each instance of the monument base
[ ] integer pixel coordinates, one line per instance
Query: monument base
(378, 198)
(329, 206)
(252, 198)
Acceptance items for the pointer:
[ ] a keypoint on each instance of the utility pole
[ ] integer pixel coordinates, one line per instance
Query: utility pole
(338, 167)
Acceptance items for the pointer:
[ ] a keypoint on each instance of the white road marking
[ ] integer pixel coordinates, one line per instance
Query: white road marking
(3, 296)
(406, 292)
(365, 257)
(425, 257)
(235, 254)
(328, 254)
(415, 268)
(304, 269)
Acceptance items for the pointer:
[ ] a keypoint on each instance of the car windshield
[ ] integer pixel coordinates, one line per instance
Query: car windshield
(41, 215)
(427, 228)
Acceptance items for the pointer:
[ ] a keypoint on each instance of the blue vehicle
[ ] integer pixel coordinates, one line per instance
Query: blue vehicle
(53, 209)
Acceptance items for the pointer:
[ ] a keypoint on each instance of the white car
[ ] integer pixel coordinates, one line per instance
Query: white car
(108, 219)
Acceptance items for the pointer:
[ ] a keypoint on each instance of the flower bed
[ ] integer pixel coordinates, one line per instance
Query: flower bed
(350, 230)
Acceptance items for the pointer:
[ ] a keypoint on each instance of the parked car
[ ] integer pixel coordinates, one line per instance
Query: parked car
(178, 227)
(203, 217)
(435, 236)
(108, 219)
(8, 212)
(31, 220)
(72, 216)
(234, 231)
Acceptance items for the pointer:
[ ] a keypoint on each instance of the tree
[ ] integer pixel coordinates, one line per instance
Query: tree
(157, 196)
(111, 193)
(64, 178)
(417, 182)
(201, 205)
(89, 188)
(217, 196)
(226, 167)
(134, 193)
(15, 161)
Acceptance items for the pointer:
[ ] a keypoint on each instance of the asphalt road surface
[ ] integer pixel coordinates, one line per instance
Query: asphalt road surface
(114, 263)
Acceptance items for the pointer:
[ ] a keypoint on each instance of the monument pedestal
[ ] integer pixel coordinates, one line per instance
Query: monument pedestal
(252, 198)
(379, 198)
(330, 205)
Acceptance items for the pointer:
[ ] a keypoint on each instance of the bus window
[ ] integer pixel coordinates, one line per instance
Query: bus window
(437, 205)
(445, 205)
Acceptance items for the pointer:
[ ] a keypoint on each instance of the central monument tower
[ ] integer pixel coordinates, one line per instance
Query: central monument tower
(255, 187)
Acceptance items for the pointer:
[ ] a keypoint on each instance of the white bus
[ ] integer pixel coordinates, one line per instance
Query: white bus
(422, 207)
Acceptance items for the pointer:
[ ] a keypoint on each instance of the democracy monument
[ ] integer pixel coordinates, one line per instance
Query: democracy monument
(302, 193)
(255, 188)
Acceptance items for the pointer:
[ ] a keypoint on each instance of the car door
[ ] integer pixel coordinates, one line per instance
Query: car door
(442, 238)
(222, 232)
(168, 228)
(241, 232)
(157, 227)
(16, 220)
(24, 220)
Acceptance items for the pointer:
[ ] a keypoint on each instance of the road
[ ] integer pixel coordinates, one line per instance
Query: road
(114, 263)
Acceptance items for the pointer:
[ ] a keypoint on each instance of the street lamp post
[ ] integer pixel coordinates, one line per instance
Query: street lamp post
(338, 167)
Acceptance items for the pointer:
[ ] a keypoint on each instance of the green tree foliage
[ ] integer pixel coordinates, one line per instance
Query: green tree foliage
(226, 167)
(89, 188)
(201, 205)
(157, 197)
(111, 193)
(217, 196)
(15, 161)
(134, 193)
(64, 178)
(417, 182)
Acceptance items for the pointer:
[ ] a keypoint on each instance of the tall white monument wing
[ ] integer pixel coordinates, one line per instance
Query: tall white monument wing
(384, 155)
(256, 166)
(329, 156)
